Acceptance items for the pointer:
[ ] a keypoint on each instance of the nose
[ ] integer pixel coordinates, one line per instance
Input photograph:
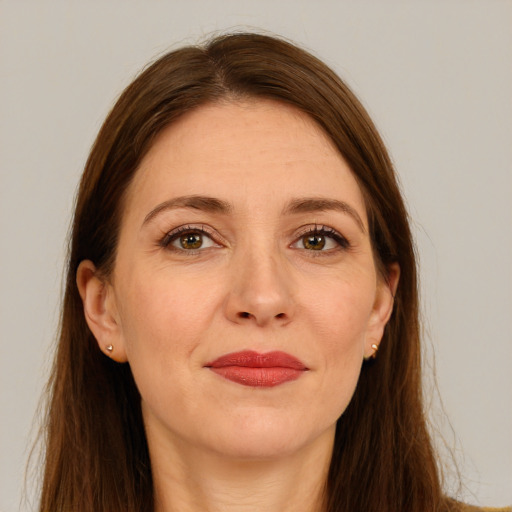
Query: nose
(260, 292)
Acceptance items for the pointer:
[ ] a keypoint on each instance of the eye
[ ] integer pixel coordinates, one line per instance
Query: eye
(316, 242)
(188, 239)
(321, 239)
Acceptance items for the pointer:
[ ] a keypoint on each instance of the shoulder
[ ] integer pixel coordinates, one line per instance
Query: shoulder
(471, 508)
(462, 507)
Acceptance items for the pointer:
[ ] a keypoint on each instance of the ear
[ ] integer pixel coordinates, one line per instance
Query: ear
(100, 311)
(382, 308)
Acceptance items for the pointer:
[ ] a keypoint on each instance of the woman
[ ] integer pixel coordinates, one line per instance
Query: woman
(240, 323)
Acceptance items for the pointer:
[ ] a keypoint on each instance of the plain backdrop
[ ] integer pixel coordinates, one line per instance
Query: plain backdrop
(437, 78)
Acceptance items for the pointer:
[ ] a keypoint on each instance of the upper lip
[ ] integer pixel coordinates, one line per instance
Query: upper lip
(252, 359)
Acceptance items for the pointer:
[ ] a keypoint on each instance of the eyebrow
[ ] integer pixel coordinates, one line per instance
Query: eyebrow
(203, 203)
(321, 204)
(296, 206)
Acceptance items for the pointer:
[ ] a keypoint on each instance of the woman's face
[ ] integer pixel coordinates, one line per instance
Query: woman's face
(244, 294)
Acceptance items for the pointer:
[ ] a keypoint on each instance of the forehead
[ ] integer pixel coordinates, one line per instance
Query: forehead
(249, 152)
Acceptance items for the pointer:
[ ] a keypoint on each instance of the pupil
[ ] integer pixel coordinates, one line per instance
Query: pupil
(191, 241)
(315, 242)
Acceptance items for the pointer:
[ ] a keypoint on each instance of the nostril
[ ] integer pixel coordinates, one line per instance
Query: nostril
(245, 314)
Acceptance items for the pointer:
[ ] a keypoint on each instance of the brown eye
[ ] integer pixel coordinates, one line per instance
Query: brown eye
(188, 240)
(322, 239)
(314, 242)
(191, 241)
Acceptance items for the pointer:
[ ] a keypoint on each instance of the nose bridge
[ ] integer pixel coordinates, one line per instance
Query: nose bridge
(261, 285)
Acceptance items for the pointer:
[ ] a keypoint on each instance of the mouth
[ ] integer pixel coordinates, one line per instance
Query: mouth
(250, 368)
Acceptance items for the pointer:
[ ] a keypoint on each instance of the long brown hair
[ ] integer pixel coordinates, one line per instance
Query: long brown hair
(96, 452)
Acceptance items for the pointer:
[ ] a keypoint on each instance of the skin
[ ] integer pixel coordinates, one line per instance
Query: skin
(215, 444)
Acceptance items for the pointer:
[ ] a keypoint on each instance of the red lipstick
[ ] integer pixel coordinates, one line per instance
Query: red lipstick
(258, 370)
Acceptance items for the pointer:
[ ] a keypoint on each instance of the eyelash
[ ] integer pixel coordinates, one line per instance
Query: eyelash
(325, 231)
(173, 235)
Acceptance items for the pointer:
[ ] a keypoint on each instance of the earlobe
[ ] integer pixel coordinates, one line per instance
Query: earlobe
(382, 310)
(100, 311)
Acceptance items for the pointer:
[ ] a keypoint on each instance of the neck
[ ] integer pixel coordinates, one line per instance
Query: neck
(187, 479)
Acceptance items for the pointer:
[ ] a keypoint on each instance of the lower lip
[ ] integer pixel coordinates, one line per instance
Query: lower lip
(258, 377)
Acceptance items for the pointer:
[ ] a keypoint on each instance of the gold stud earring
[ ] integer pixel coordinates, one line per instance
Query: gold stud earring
(374, 355)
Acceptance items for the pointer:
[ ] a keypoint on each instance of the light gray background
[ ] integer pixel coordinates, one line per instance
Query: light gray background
(435, 75)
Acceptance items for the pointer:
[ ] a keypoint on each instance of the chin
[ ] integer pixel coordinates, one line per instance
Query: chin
(266, 438)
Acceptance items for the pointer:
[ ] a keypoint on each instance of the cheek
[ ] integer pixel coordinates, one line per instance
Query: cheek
(163, 315)
(340, 319)
(163, 322)
(341, 313)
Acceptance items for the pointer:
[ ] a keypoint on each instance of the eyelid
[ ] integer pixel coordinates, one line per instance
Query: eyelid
(312, 229)
(203, 229)
(327, 231)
